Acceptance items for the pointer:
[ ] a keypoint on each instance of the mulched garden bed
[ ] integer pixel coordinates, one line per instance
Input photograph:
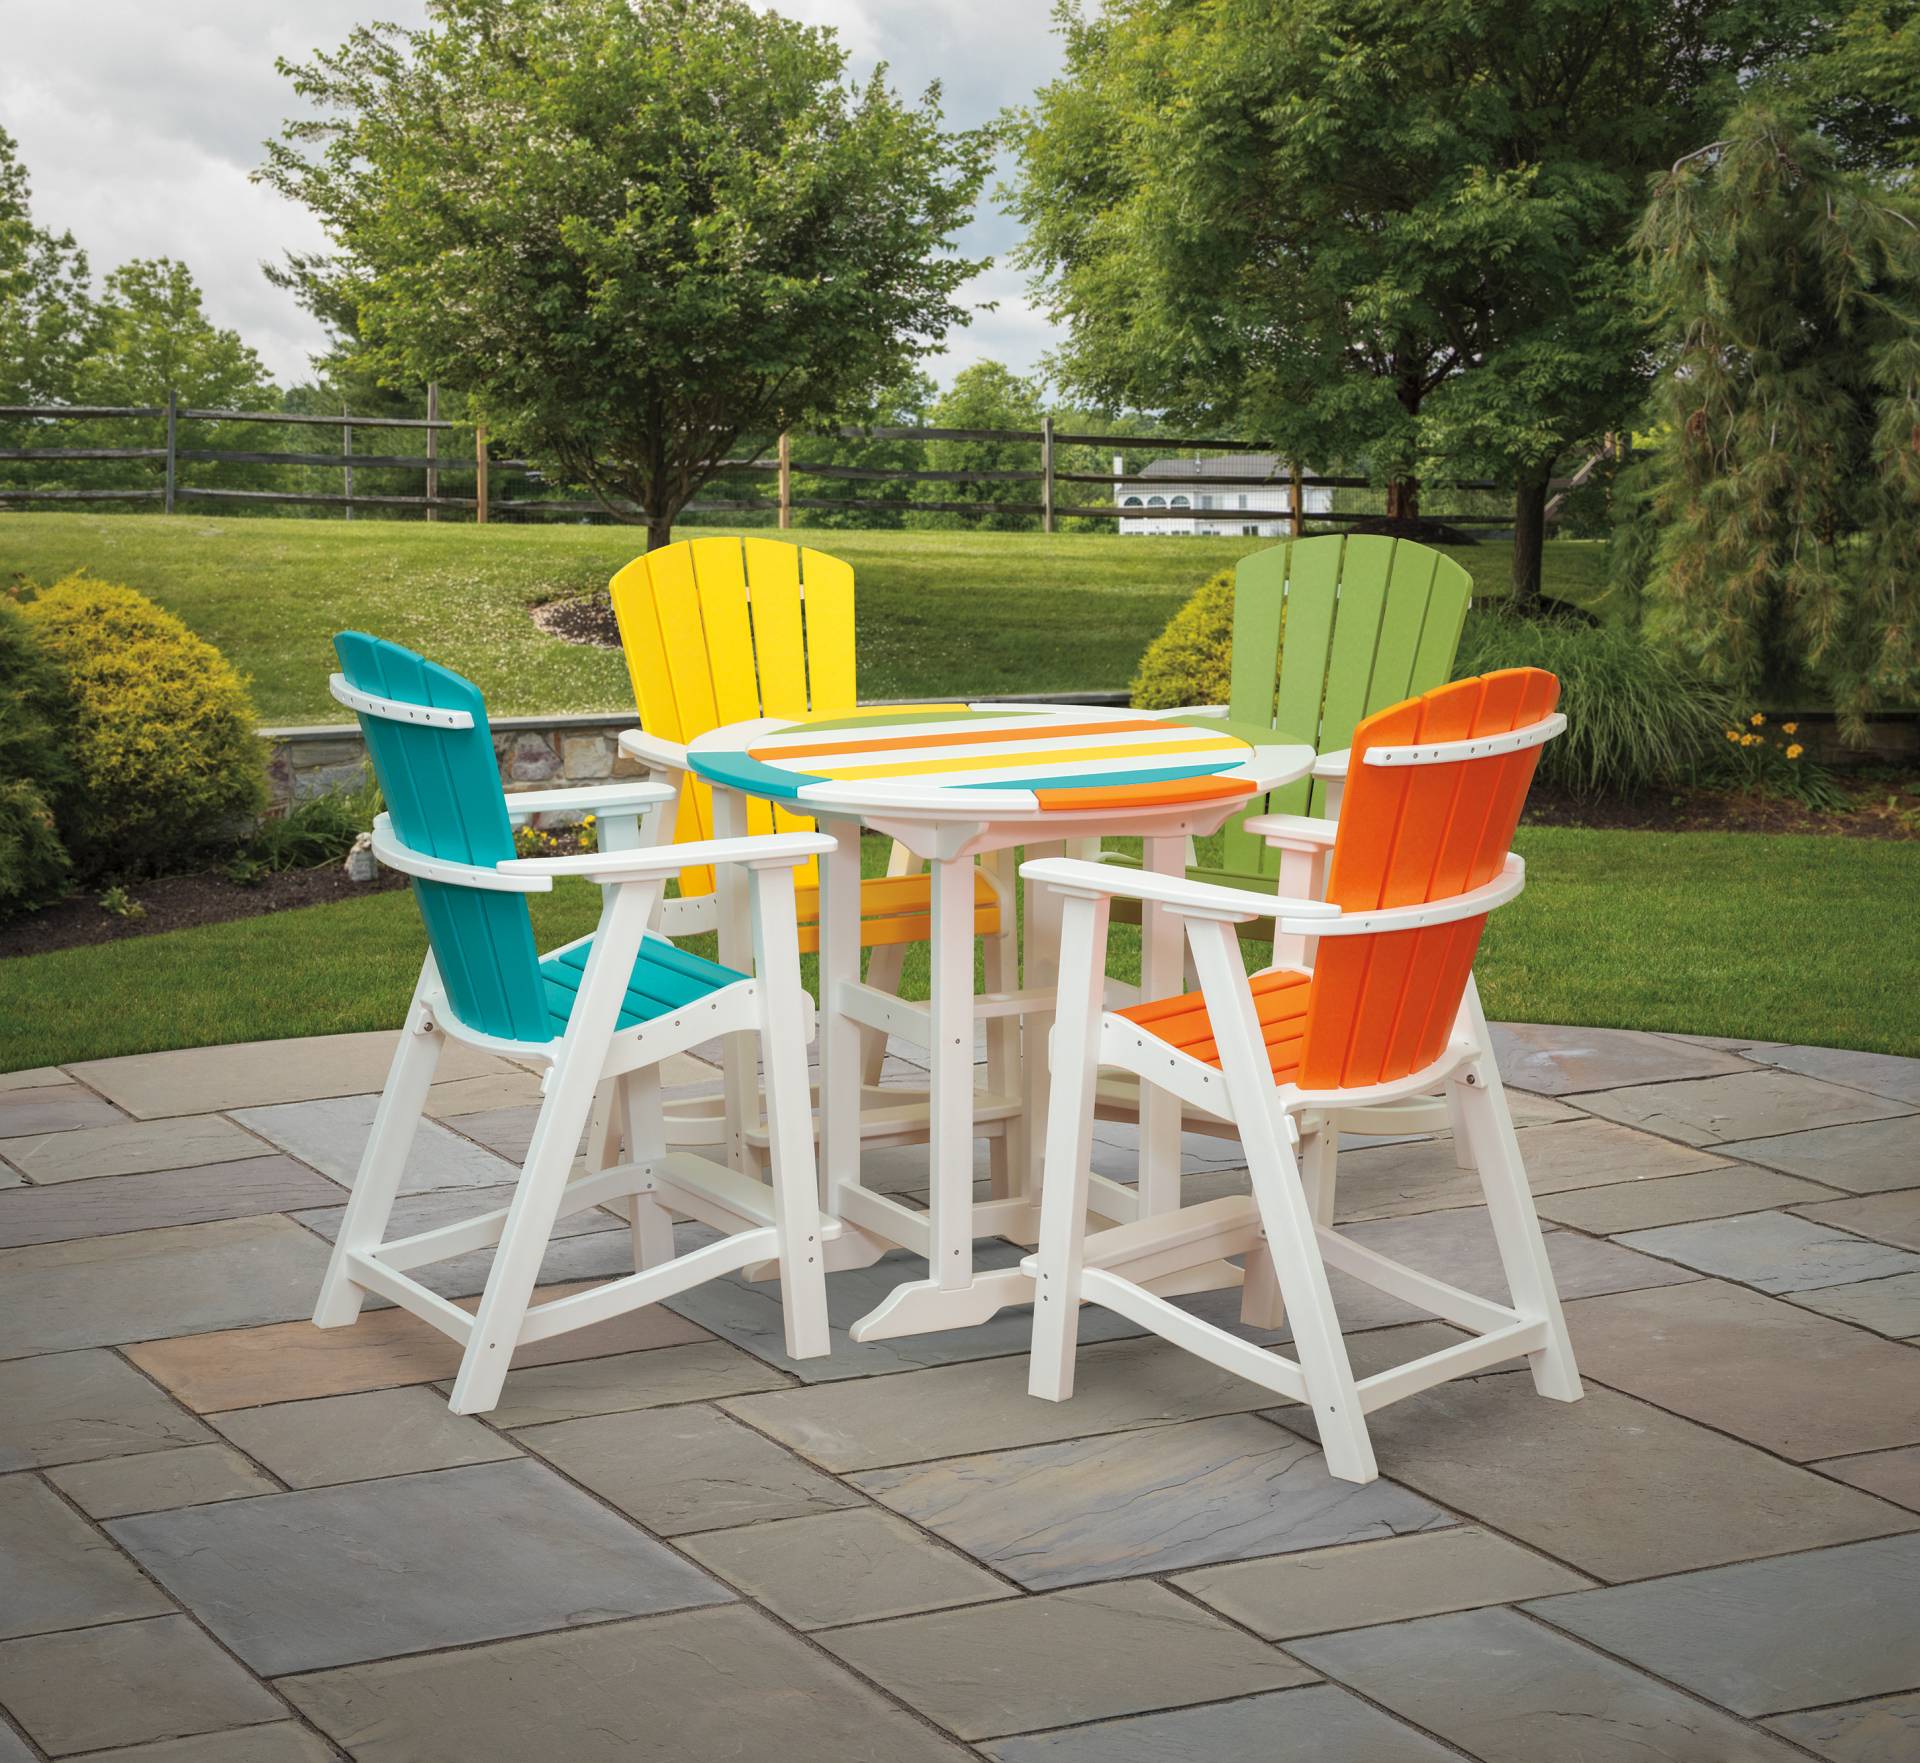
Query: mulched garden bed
(178, 901)
(587, 619)
(1884, 808)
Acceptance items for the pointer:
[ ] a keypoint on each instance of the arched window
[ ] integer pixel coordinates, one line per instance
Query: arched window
(1130, 502)
(1156, 501)
(1181, 502)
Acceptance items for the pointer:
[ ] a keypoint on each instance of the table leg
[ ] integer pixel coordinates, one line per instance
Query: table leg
(1007, 1165)
(739, 1069)
(1161, 971)
(1042, 973)
(840, 1051)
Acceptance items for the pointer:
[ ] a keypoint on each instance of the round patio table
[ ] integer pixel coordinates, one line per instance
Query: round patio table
(950, 782)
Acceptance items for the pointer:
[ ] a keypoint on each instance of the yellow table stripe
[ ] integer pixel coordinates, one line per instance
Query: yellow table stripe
(1050, 760)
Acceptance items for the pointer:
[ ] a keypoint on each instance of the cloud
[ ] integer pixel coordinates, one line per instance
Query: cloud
(140, 123)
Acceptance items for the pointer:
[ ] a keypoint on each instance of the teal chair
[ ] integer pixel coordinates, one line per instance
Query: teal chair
(601, 1013)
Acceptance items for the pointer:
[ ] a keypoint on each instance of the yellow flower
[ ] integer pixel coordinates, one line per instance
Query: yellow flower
(1756, 719)
(1794, 751)
(1789, 728)
(1733, 734)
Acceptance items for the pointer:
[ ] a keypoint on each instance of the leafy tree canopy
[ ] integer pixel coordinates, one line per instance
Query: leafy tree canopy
(634, 231)
(46, 309)
(155, 338)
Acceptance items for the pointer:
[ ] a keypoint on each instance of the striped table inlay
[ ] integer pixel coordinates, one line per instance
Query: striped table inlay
(1049, 759)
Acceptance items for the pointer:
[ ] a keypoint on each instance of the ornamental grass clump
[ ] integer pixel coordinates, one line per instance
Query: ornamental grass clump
(167, 767)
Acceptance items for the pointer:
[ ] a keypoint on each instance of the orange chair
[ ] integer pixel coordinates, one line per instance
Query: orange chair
(1381, 1007)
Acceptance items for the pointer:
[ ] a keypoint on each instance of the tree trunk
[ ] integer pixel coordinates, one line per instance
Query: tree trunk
(1529, 533)
(659, 532)
(1403, 498)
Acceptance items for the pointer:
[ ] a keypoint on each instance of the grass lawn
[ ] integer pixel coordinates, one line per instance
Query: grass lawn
(940, 612)
(1705, 933)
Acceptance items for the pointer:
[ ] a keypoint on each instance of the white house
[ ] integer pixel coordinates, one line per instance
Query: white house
(1150, 496)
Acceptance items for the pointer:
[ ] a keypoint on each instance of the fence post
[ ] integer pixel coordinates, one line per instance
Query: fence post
(1046, 474)
(1296, 501)
(786, 481)
(346, 471)
(173, 411)
(480, 475)
(433, 451)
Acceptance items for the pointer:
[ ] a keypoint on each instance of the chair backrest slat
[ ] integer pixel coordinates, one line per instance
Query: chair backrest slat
(1383, 1004)
(721, 630)
(1357, 624)
(443, 794)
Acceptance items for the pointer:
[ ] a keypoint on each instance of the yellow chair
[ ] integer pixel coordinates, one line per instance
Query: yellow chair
(721, 630)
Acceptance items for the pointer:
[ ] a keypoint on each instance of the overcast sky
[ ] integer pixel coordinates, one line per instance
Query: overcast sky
(139, 121)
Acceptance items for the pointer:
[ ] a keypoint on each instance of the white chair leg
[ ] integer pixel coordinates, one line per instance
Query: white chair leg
(1069, 1148)
(1462, 1152)
(543, 1179)
(1261, 1302)
(645, 1128)
(1280, 1194)
(783, 1058)
(1319, 1160)
(1006, 1163)
(363, 1226)
(884, 965)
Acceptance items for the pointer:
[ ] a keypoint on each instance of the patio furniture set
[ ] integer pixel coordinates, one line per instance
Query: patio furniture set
(1367, 807)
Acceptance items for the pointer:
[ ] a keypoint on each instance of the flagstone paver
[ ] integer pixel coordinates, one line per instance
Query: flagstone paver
(13, 1748)
(713, 1684)
(33, 1077)
(56, 1572)
(68, 1407)
(243, 1368)
(32, 1113)
(206, 1080)
(110, 1205)
(621, 1382)
(1421, 1175)
(950, 1410)
(686, 1469)
(1893, 1475)
(1764, 1637)
(1884, 1730)
(1775, 1251)
(1754, 1104)
(331, 1133)
(1086, 1654)
(842, 1567)
(160, 1679)
(1752, 1365)
(361, 1437)
(1677, 1199)
(1509, 1691)
(132, 1147)
(1883, 1074)
(158, 1481)
(1610, 1485)
(1887, 1306)
(1145, 1502)
(281, 1743)
(1424, 1574)
(463, 1555)
(1891, 1218)
(1863, 1156)
(1566, 1061)
(1318, 1724)
(506, 1087)
(151, 1283)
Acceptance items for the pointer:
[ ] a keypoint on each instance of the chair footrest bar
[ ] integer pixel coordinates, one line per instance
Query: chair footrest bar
(725, 1198)
(618, 1296)
(1398, 1280)
(410, 1295)
(425, 1247)
(1229, 1225)
(1229, 1352)
(1450, 1362)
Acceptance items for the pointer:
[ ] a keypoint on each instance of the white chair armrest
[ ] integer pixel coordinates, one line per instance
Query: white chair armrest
(1190, 899)
(389, 851)
(602, 799)
(663, 755)
(1191, 710)
(1299, 831)
(1333, 764)
(768, 851)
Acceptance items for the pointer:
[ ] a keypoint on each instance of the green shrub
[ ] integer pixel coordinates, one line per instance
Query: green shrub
(319, 830)
(34, 866)
(1636, 717)
(167, 763)
(35, 767)
(1191, 661)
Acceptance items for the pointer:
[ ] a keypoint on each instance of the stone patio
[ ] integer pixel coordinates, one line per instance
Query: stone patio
(226, 1537)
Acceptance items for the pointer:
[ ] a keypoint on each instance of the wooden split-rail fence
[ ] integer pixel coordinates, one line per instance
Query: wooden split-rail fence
(1285, 491)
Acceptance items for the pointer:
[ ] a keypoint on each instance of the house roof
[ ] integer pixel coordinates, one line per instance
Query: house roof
(1234, 465)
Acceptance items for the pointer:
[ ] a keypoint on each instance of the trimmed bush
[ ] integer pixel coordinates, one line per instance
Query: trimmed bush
(35, 714)
(167, 764)
(1191, 661)
(1636, 717)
